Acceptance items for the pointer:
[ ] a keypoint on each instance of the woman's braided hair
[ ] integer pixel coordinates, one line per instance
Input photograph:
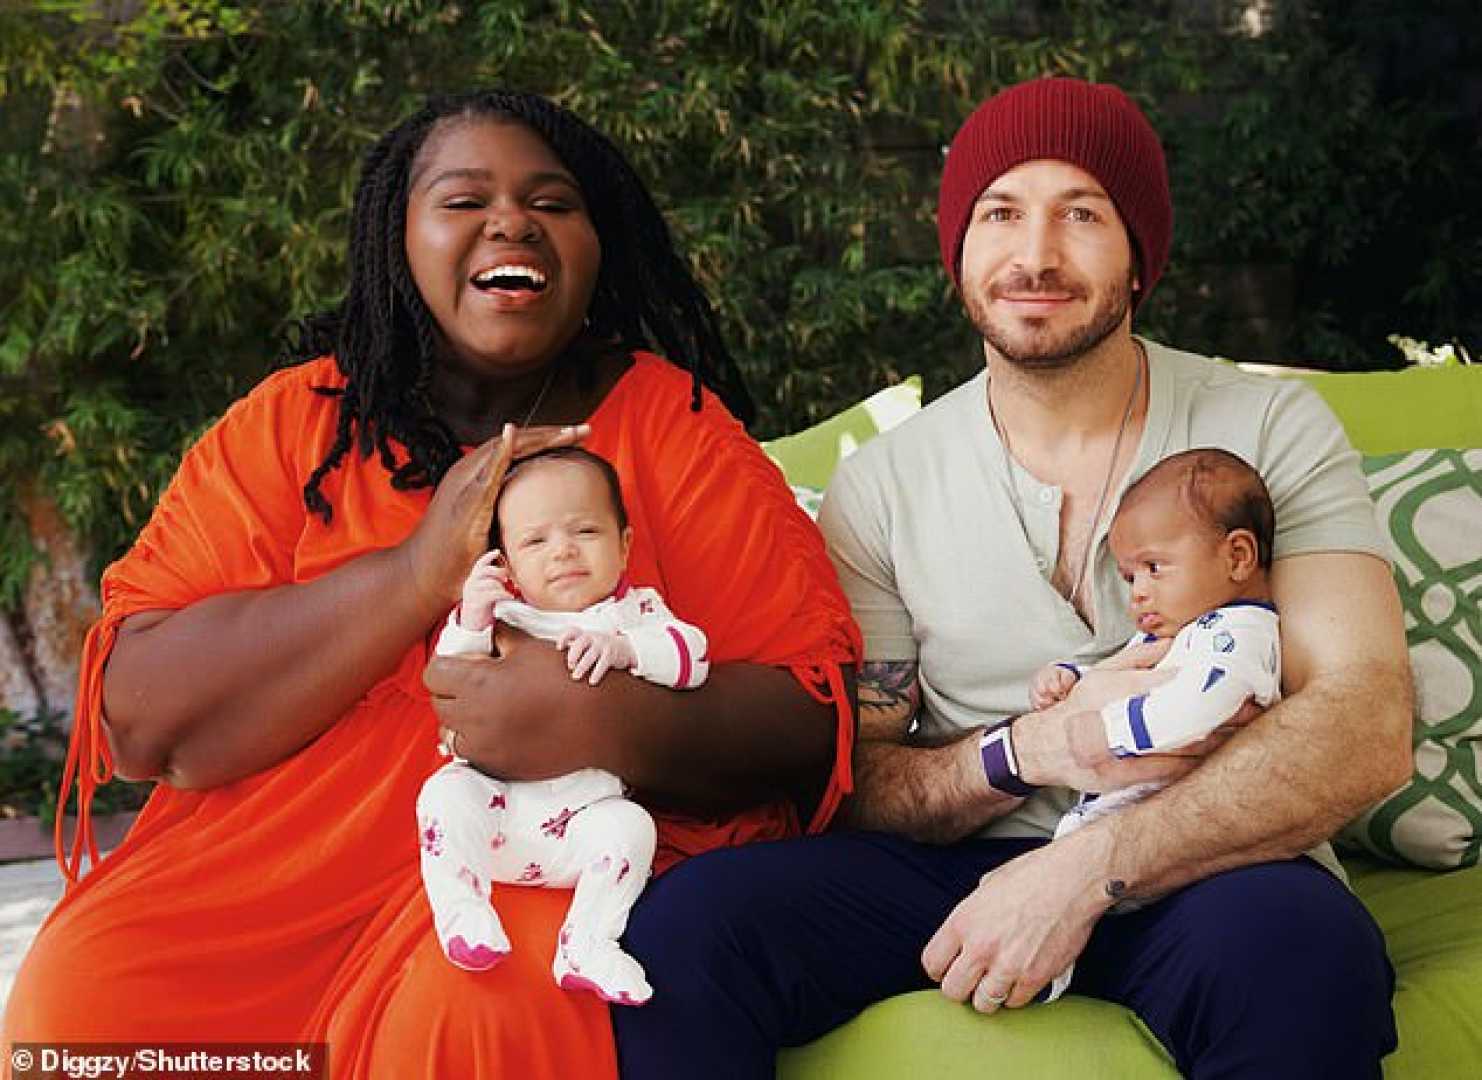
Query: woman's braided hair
(385, 339)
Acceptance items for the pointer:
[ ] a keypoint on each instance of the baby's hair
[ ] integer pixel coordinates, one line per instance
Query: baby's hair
(385, 340)
(573, 454)
(1220, 489)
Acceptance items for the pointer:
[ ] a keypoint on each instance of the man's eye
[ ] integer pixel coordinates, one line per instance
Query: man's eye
(1153, 568)
(996, 214)
(1080, 214)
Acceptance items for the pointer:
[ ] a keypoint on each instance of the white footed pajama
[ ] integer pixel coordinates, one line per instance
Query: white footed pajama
(573, 831)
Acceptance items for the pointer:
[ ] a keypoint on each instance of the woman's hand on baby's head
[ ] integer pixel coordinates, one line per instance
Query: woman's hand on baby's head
(591, 654)
(455, 530)
(487, 584)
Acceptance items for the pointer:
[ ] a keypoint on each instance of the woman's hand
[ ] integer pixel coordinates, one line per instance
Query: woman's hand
(521, 716)
(455, 530)
(518, 715)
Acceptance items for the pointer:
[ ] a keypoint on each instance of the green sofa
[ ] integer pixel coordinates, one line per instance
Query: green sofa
(1432, 920)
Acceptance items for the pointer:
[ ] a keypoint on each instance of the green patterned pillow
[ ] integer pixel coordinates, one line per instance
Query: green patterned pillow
(1430, 503)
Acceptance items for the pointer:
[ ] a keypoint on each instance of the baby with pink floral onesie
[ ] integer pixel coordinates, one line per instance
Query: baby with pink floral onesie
(558, 573)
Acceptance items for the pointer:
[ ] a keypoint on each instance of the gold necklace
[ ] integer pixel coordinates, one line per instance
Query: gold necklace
(1111, 468)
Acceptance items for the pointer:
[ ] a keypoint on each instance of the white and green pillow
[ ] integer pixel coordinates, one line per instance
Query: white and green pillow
(808, 458)
(1430, 505)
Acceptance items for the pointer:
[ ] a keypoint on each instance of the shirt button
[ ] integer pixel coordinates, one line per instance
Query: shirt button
(1041, 563)
(1046, 496)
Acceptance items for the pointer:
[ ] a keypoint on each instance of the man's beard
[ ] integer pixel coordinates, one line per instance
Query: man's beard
(1044, 353)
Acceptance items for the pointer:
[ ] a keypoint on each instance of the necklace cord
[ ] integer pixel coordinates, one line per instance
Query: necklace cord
(1111, 468)
(550, 377)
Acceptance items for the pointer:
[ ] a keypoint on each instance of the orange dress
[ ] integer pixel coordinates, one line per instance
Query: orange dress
(287, 906)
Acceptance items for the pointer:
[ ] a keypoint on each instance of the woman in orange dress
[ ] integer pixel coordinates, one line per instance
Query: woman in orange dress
(264, 648)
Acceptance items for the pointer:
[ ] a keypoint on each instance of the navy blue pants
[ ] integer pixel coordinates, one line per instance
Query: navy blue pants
(1269, 971)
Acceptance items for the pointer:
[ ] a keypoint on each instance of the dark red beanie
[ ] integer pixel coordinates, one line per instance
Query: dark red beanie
(1091, 125)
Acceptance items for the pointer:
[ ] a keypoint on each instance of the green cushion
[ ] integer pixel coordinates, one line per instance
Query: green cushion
(808, 458)
(925, 1035)
(1432, 925)
(1385, 412)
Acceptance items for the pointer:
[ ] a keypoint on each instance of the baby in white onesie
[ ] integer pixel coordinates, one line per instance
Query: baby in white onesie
(1192, 538)
(558, 573)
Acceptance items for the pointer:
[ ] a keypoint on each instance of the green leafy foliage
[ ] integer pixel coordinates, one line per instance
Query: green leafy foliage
(175, 179)
(31, 753)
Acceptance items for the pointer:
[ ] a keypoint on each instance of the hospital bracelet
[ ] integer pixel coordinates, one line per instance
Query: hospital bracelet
(999, 764)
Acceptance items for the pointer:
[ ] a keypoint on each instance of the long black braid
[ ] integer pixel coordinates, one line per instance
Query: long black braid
(385, 339)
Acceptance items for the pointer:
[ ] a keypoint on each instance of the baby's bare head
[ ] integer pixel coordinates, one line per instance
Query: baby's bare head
(1216, 488)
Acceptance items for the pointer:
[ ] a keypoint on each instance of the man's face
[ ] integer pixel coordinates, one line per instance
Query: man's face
(1047, 271)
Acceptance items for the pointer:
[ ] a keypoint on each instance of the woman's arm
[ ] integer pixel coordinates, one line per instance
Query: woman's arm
(237, 682)
(750, 734)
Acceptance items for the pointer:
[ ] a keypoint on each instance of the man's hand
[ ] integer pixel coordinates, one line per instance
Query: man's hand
(1066, 746)
(1022, 926)
(593, 653)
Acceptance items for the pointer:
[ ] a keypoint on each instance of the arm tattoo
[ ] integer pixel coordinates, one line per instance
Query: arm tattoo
(889, 685)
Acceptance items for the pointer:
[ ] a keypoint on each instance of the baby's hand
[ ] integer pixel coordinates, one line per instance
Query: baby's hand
(1050, 686)
(595, 652)
(487, 584)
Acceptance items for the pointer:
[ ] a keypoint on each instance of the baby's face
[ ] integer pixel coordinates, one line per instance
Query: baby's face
(561, 537)
(1177, 566)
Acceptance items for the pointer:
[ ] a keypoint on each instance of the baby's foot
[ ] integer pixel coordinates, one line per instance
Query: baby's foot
(602, 968)
(472, 937)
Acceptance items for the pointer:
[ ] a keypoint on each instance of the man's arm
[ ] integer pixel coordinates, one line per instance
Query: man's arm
(939, 794)
(935, 794)
(1337, 743)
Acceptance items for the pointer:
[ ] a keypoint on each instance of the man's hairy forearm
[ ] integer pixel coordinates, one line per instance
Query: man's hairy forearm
(935, 794)
(1277, 789)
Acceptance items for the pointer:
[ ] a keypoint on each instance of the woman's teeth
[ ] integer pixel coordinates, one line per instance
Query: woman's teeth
(510, 278)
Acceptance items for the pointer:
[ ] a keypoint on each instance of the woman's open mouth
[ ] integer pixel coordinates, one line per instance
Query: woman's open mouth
(511, 281)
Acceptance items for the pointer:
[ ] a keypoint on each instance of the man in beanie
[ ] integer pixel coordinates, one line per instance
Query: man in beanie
(972, 543)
